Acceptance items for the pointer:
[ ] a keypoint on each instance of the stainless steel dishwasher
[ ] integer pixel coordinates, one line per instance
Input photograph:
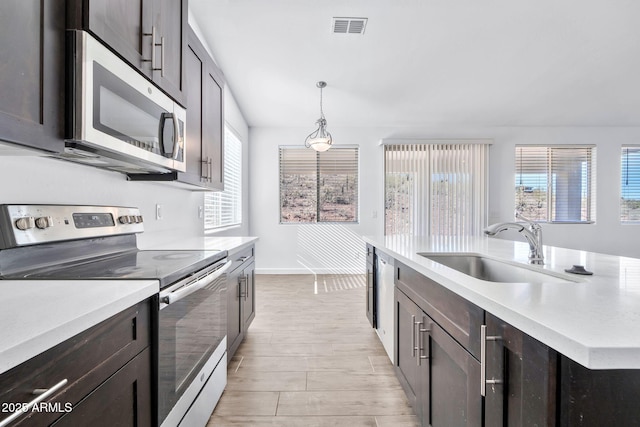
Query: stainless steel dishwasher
(384, 301)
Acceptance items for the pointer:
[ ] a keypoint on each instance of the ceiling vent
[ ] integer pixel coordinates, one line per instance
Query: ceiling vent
(349, 25)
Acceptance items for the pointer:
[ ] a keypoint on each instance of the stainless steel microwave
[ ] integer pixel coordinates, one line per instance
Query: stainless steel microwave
(116, 118)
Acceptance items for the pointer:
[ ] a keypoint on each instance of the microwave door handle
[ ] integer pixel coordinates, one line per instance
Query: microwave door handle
(163, 121)
(178, 142)
(171, 297)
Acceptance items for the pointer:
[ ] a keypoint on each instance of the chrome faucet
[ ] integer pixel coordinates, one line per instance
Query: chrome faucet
(532, 232)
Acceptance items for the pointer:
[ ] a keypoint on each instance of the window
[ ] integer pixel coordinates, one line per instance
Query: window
(436, 189)
(318, 186)
(630, 184)
(224, 208)
(556, 183)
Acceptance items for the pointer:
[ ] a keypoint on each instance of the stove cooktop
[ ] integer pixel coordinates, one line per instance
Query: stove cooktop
(166, 266)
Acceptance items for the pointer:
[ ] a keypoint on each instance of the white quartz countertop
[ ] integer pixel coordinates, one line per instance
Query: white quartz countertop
(36, 315)
(230, 244)
(594, 320)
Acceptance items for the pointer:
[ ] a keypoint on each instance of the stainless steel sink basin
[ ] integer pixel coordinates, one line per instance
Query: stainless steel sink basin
(492, 270)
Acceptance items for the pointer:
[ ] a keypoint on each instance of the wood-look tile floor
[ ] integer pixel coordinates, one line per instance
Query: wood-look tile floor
(311, 359)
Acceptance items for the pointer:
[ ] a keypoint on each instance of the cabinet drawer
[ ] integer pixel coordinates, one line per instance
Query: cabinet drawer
(245, 255)
(459, 317)
(123, 400)
(85, 361)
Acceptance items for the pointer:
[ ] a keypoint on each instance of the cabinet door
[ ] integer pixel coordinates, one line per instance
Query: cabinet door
(213, 126)
(195, 60)
(371, 295)
(407, 314)
(527, 370)
(450, 382)
(123, 400)
(32, 76)
(249, 293)
(170, 21)
(234, 323)
(125, 25)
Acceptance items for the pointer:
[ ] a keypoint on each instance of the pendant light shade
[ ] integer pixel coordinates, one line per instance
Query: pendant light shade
(320, 139)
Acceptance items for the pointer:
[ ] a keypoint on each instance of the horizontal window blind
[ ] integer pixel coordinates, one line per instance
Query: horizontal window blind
(224, 208)
(436, 189)
(630, 184)
(555, 183)
(318, 186)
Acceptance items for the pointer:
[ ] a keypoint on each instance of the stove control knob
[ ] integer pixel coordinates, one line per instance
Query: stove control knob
(25, 223)
(139, 218)
(124, 219)
(44, 222)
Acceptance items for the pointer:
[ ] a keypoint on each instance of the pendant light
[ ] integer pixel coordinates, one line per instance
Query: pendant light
(319, 139)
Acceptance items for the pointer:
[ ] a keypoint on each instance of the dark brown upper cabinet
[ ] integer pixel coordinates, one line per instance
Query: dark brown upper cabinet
(149, 34)
(32, 73)
(204, 147)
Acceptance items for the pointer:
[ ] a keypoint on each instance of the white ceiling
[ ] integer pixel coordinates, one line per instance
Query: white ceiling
(430, 62)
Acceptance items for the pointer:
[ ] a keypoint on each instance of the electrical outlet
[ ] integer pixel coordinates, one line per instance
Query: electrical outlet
(158, 211)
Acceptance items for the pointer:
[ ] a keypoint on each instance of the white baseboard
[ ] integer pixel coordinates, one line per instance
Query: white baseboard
(309, 271)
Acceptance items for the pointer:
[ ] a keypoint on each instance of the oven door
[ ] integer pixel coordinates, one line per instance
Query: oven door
(192, 331)
(118, 113)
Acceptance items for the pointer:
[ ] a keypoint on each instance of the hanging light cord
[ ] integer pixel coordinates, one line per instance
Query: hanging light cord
(321, 111)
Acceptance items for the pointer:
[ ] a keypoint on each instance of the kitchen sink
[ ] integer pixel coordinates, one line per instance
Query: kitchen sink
(493, 270)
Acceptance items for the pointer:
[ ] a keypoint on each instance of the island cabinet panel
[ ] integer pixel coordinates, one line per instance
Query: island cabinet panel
(521, 374)
(32, 73)
(440, 377)
(459, 317)
(109, 362)
(371, 288)
(595, 398)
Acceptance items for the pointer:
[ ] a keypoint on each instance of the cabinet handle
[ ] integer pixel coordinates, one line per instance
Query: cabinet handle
(483, 360)
(42, 393)
(243, 258)
(421, 356)
(242, 280)
(152, 34)
(206, 166)
(413, 335)
(161, 56)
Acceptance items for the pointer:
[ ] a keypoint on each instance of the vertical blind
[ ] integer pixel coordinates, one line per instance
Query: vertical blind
(436, 189)
(224, 208)
(630, 184)
(555, 183)
(318, 186)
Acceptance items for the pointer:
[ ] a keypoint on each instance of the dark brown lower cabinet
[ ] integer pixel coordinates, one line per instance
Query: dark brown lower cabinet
(521, 374)
(595, 398)
(123, 400)
(241, 307)
(107, 369)
(441, 378)
(371, 295)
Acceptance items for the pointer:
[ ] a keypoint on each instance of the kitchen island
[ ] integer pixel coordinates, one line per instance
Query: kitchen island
(558, 350)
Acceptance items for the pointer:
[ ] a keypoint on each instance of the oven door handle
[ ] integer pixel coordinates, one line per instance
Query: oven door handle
(173, 296)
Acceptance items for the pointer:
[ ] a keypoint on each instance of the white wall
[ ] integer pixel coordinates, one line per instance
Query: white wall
(294, 248)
